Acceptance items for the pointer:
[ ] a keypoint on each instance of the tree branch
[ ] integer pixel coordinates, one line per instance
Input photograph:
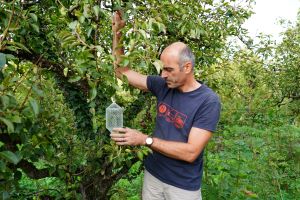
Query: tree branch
(33, 172)
(2, 38)
(57, 68)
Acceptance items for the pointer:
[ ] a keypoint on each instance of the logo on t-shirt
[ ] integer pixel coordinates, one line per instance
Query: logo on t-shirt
(171, 115)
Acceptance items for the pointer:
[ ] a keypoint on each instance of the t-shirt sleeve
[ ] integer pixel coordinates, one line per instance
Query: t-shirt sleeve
(155, 84)
(208, 116)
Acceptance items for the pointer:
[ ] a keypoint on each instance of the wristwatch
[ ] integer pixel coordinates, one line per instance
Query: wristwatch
(149, 141)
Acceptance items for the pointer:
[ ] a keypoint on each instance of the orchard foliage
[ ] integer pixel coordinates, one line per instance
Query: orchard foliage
(285, 70)
(256, 153)
(57, 78)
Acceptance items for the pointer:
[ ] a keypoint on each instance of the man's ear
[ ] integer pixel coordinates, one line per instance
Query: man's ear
(188, 68)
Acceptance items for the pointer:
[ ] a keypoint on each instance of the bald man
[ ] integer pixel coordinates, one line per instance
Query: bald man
(187, 114)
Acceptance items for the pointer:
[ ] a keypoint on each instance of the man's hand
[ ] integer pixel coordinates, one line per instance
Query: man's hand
(127, 136)
(118, 23)
(117, 50)
(134, 78)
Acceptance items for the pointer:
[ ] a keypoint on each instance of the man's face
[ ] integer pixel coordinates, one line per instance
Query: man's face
(171, 72)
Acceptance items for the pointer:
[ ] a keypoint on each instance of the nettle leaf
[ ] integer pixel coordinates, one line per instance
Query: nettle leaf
(11, 157)
(2, 60)
(9, 124)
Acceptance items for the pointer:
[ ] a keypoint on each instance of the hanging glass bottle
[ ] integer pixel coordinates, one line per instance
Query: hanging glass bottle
(114, 116)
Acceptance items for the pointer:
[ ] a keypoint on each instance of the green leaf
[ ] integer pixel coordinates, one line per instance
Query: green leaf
(4, 101)
(33, 16)
(35, 27)
(95, 125)
(140, 155)
(81, 19)
(16, 119)
(89, 32)
(74, 79)
(93, 93)
(73, 24)
(124, 62)
(66, 71)
(99, 48)
(161, 27)
(9, 124)
(63, 11)
(86, 11)
(19, 45)
(158, 65)
(37, 91)
(10, 157)
(10, 57)
(96, 10)
(2, 60)
(143, 33)
(34, 105)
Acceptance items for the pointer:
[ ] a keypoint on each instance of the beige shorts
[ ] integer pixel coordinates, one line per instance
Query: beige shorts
(154, 189)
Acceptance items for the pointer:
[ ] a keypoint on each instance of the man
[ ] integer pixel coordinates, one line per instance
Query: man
(187, 114)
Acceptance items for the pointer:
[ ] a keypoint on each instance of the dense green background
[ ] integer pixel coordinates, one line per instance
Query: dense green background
(56, 79)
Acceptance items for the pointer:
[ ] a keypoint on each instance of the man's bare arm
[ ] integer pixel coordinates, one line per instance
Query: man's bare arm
(134, 78)
(189, 151)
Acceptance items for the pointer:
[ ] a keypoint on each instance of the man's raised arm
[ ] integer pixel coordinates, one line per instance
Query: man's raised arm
(134, 78)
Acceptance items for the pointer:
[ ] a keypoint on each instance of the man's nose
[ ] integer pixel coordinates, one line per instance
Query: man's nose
(164, 74)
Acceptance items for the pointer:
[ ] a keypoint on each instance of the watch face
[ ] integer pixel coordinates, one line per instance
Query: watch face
(149, 141)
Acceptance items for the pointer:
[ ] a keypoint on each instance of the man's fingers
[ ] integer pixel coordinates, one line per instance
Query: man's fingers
(121, 136)
(122, 23)
(118, 15)
(120, 130)
(121, 143)
(117, 20)
(119, 139)
(117, 135)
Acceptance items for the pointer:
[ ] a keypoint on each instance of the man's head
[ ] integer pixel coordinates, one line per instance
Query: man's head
(178, 63)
